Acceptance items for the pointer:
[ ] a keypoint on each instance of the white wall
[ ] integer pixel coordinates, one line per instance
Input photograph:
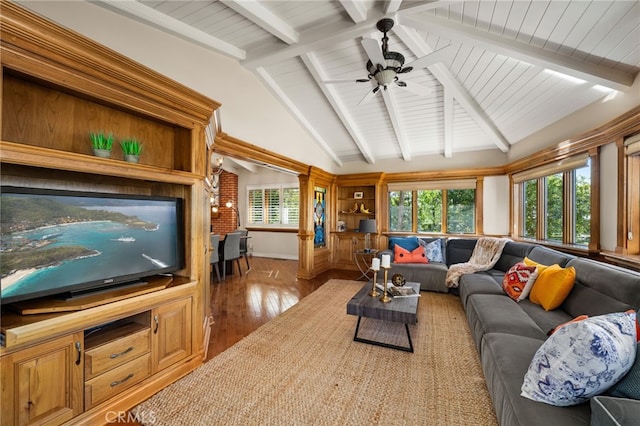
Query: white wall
(496, 205)
(279, 245)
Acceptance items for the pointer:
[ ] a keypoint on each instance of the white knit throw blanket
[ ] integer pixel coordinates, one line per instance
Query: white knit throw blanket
(485, 255)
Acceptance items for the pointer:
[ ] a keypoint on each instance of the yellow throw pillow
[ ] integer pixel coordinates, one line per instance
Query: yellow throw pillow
(539, 266)
(553, 285)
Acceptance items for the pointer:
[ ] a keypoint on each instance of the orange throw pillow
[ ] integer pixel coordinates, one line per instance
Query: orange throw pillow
(553, 286)
(402, 255)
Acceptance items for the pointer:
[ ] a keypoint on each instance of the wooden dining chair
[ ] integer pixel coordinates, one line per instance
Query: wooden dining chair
(231, 252)
(214, 255)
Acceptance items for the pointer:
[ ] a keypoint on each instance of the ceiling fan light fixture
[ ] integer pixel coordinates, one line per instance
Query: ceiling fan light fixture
(385, 75)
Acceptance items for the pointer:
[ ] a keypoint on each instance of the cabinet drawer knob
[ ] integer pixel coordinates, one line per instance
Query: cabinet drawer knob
(155, 319)
(126, 351)
(119, 382)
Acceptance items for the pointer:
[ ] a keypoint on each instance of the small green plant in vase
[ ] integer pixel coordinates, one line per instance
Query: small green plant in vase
(131, 148)
(102, 144)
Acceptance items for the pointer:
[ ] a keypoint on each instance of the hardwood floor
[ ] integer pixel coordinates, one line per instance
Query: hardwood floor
(241, 304)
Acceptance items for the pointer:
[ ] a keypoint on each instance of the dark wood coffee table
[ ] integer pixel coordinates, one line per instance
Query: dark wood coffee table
(403, 310)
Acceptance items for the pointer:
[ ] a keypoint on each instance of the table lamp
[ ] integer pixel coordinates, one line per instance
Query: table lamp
(367, 226)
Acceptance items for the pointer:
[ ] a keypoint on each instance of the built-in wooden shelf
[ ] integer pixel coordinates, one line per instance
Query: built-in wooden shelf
(17, 153)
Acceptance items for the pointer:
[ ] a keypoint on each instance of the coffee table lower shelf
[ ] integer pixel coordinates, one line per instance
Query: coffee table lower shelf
(383, 344)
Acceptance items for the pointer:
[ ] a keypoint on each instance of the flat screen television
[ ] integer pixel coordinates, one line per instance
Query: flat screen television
(56, 242)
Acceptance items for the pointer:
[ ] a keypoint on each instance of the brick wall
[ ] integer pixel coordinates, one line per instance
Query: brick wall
(226, 220)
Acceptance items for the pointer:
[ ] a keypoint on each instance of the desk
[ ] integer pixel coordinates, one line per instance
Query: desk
(362, 259)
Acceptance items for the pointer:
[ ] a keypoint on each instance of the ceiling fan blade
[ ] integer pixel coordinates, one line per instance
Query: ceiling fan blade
(416, 88)
(429, 59)
(370, 94)
(374, 52)
(344, 80)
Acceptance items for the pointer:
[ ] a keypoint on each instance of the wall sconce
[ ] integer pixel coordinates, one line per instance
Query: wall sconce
(214, 184)
(229, 205)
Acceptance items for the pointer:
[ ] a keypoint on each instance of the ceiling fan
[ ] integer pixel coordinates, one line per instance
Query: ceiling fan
(384, 66)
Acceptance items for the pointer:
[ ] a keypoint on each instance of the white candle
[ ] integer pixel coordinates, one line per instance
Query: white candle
(375, 264)
(386, 261)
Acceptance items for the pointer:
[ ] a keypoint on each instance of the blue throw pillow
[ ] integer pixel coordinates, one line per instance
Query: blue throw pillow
(407, 243)
(629, 385)
(581, 360)
(433, 251)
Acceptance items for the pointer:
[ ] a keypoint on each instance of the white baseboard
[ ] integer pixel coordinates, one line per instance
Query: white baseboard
(276, 256)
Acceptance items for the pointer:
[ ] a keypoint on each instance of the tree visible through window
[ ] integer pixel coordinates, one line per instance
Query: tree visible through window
(461, 209)
(435, 210)
(556, 193)
(430, 210)
(400, 213)
(553, 208)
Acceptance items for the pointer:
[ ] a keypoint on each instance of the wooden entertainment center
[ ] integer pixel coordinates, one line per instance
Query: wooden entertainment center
(57, 87)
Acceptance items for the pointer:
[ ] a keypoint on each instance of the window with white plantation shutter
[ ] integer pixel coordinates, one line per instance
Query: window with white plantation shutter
(274, 205)
(255, 206)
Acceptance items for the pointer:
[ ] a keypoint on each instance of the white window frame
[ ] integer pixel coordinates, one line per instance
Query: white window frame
(281, 188)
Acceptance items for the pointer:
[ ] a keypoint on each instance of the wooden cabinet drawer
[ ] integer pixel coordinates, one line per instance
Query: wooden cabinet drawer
(115, 381)
(103, 358)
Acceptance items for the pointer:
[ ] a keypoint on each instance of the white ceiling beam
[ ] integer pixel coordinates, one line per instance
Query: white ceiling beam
(392, 6)
(448, 123)
(595, 73)
(263, 17)
(157, 19)
(419, 47)
(355, 9)
(392, 110)
(270, 82)
(326, 36)
(341, 110)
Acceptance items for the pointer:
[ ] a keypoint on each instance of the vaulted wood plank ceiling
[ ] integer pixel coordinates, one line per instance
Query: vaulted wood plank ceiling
(508, 68)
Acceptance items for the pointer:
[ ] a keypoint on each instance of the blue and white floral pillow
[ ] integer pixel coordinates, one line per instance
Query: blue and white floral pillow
(433, 250)
(582, 360)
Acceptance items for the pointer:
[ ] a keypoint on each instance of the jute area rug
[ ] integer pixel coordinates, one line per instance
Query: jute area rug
(303, 368)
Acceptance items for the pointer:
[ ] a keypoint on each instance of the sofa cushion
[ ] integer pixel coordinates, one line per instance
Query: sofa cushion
(546, 320)
(512, 253)
(608, 411)
(581, 360)
(490, 313)
(459, 250)
(547, 256)
(402, 255)
(431, 276)
(518, 279)
(629, 385)
(587, 301)
(479, 283)
(553, 286)
(505, 359)
(618, 283)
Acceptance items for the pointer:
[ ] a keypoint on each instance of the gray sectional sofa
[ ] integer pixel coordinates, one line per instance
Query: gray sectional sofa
(507, 334)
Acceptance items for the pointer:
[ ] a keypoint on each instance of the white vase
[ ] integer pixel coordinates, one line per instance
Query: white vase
(131, 158)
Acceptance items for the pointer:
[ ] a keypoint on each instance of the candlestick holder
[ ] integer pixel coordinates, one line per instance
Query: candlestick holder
(385, 297)
(374, 291)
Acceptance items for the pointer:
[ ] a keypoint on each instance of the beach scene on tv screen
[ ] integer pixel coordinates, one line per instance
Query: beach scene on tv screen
(50, 242)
